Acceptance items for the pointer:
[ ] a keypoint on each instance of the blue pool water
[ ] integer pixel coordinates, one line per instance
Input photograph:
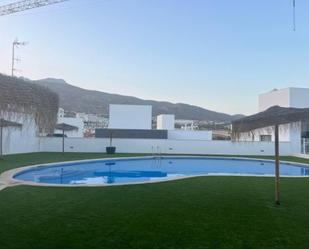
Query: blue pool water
(149, 169)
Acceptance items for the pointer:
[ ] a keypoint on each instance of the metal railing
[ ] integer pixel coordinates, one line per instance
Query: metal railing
(157, 156)
(156, 151)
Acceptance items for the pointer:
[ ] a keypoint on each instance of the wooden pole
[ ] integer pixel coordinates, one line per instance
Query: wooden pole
(62, 140)
(277, 167)
(1, 143)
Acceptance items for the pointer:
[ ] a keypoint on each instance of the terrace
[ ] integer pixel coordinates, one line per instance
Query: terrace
(235, 212)
(109, 162)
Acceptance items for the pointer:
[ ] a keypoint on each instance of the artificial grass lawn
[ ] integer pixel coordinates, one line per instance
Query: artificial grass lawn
(203, 212)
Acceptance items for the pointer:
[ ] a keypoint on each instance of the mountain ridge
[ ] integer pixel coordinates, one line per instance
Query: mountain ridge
(73, 98)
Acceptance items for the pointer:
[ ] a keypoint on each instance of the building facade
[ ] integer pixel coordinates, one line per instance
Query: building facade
(130, 117)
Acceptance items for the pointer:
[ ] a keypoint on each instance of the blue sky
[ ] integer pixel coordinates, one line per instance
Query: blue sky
(218, 54)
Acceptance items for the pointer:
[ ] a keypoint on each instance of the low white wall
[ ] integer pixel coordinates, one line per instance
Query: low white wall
(54, 144)
(189, 135)
(165, 146)
(20, 140)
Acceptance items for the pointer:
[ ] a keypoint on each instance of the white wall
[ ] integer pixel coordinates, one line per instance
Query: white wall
(78, 122)
(25, 144)
(287, 97)
(165, 146)
(189, 135)
(276, 97)
(287, 133)
(299, 97)
(20, 140)
(166, 122)
(130, 117)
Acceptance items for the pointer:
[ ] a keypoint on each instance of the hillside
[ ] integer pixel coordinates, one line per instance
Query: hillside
(76, 99)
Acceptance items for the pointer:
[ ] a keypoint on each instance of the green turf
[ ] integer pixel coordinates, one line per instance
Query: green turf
(203, 212)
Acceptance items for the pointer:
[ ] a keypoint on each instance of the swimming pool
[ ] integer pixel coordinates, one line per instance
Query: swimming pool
(141, 170)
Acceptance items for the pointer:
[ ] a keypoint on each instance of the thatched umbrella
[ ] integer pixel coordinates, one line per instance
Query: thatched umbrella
(3, 124)
(65, 127)
(272, 117)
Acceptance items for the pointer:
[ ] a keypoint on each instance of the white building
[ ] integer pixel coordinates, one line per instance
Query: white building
(293, 132)
(186, 124)
(61, 113)
(135, 121)
(92, 122)
(287, 97)
(74, 121)
(166, 122)
(130, 117)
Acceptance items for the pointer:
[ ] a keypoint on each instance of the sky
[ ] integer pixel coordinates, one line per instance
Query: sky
(217, 54)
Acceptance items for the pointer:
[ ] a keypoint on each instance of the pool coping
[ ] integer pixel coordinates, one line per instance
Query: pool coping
(7, 178)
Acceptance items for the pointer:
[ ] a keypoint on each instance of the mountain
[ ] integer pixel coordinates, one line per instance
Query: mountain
(77, 99)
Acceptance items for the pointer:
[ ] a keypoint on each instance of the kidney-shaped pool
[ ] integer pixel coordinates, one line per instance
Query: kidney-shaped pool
(137, 170)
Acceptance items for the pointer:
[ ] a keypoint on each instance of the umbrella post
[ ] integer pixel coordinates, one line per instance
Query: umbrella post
(65, 127)
(277, 166)
(1, 143)
(63, 141)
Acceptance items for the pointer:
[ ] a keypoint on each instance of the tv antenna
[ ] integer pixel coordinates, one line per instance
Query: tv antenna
(16, 44)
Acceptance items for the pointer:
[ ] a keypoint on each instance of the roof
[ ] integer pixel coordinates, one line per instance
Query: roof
(275, 115)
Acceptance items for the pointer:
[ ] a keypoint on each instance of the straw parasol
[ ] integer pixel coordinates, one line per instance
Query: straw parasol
(272, 117)
(4, 124)
(65, 127)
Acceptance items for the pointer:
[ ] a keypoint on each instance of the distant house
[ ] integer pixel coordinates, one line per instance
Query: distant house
(71, 120)
(92, 122)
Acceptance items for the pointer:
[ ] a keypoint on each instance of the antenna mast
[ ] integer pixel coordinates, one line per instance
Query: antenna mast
(294, 17)
(15, 45)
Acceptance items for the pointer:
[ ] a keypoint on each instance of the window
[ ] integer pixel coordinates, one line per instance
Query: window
(265, 138)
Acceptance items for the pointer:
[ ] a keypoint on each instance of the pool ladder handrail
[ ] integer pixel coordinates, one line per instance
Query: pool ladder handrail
(156, 154)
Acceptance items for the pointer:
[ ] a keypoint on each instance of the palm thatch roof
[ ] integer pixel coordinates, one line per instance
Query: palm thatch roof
(275, 115)
(66, 127)
(6, 123)
(23, 98)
